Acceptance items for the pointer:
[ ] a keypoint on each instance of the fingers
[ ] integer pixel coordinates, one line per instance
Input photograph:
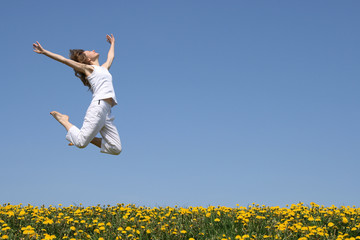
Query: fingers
(39, 44)
(35, 47)
(109, 38)
(38, 48)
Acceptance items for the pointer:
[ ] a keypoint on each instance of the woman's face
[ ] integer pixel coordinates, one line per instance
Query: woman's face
(92, 55)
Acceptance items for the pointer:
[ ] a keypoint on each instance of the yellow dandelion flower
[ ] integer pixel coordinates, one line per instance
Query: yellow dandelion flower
(5, 237)
(49, 237)
(28, 231)
(183, 231)
(48, 221)
(217, 220)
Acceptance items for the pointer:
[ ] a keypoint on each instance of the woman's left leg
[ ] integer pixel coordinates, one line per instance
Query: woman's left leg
(110, 142)
(62, 119)
(96, 141)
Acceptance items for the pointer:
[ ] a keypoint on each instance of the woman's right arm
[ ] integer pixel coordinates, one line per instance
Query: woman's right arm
(80, 67)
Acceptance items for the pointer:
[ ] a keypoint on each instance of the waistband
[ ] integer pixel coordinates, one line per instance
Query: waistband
(101, 102)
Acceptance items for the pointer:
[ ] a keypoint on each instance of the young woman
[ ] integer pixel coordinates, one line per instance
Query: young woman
(98, 116)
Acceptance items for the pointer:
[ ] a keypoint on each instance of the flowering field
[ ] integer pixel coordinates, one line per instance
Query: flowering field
(192, 223)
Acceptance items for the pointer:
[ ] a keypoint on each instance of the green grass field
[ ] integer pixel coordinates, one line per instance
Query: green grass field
(193, 223)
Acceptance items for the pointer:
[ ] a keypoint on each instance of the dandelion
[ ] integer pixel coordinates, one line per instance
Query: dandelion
(49, 237)
(28, 230)
(48, 221)
(330, 224)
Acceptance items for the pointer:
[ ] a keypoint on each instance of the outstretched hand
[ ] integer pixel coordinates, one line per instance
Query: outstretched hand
(38, 48)
(110, 39)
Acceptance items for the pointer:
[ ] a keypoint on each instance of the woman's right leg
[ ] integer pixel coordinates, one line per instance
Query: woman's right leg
(94, 120)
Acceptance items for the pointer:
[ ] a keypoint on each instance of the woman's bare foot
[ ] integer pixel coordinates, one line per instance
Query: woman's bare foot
(62, 119)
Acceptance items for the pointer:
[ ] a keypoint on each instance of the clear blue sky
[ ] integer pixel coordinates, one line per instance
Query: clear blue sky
(220, 102)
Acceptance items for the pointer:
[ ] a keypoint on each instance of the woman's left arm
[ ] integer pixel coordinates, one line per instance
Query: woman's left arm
(111, 54)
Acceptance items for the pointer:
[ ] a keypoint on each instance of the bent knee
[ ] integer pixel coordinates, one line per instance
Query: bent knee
(82, 144)
(116, 150)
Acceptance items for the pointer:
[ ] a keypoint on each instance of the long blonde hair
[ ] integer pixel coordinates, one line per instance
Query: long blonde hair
(79, 56)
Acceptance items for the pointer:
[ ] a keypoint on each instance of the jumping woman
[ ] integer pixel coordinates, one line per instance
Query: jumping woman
(98, 116)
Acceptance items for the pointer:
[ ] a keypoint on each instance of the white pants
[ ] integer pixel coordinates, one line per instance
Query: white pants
(97, 119)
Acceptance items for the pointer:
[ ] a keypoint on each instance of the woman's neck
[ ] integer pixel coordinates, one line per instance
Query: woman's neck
(96, 62)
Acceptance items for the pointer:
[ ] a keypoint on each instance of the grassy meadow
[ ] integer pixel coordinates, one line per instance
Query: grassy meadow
(176, 223)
